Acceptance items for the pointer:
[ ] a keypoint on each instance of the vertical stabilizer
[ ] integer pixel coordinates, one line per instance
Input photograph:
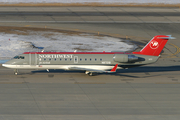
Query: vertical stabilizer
(155, 45)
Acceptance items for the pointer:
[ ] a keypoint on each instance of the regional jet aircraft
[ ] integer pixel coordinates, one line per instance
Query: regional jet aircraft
(90, 62)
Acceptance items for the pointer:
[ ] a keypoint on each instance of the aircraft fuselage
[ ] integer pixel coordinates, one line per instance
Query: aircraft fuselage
(64, 60)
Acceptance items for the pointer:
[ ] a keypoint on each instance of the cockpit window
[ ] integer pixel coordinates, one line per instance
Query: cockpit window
(19, 57)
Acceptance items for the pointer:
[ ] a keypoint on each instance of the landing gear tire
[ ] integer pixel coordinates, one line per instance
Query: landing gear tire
(91, 74)
(86, 72)
(15, 72)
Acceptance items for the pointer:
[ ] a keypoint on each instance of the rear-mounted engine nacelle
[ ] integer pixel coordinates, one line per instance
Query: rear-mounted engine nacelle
(124, 58)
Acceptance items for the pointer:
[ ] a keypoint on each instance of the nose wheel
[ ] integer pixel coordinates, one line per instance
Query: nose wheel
(16, 72)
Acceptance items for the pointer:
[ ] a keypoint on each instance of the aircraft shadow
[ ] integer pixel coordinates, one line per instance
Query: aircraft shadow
(142, 69)
(57, 71)
(150, 69)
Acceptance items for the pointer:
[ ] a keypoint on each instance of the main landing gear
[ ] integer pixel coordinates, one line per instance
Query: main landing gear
(16, 72)
(90, 73)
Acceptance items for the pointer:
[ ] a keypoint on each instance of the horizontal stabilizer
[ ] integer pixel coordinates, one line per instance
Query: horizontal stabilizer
(168, 37)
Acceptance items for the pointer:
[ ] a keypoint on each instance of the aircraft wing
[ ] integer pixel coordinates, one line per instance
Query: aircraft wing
(94, 70)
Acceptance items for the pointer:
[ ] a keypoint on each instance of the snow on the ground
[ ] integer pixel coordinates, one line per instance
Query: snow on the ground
(92, 1)
(13, 44)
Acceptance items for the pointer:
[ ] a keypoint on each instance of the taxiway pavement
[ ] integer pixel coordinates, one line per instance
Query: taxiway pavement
(149, 92)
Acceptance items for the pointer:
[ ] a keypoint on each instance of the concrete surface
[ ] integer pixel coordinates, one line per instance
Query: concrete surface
(149, 92)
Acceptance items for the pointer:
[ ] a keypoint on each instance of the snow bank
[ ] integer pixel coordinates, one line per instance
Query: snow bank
(13, 44)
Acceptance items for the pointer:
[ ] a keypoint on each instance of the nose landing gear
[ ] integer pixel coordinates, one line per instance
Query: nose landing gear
(16, 72)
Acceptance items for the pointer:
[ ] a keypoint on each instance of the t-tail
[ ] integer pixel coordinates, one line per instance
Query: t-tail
(155, 45)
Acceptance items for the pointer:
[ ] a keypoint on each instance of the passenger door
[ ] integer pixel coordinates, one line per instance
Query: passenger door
(32, 59)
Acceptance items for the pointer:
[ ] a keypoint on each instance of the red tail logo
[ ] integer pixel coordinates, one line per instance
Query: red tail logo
(155, 46)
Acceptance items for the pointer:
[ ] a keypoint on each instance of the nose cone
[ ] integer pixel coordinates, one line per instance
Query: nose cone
(7, 64)
(4, 65)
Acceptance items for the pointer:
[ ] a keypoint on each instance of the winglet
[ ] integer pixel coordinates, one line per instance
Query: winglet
(114, 68)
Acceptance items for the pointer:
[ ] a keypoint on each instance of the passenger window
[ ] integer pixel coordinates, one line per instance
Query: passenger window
(90, 59)
(101, 59)
(65, 59)
(70, 59)
(85, 59)
(60, 59)
(55, 59)
(80, 59)
(95, 59)
(44, 59)
(50, 59)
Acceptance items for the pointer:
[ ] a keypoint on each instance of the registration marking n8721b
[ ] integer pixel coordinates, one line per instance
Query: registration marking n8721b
(106, 62)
